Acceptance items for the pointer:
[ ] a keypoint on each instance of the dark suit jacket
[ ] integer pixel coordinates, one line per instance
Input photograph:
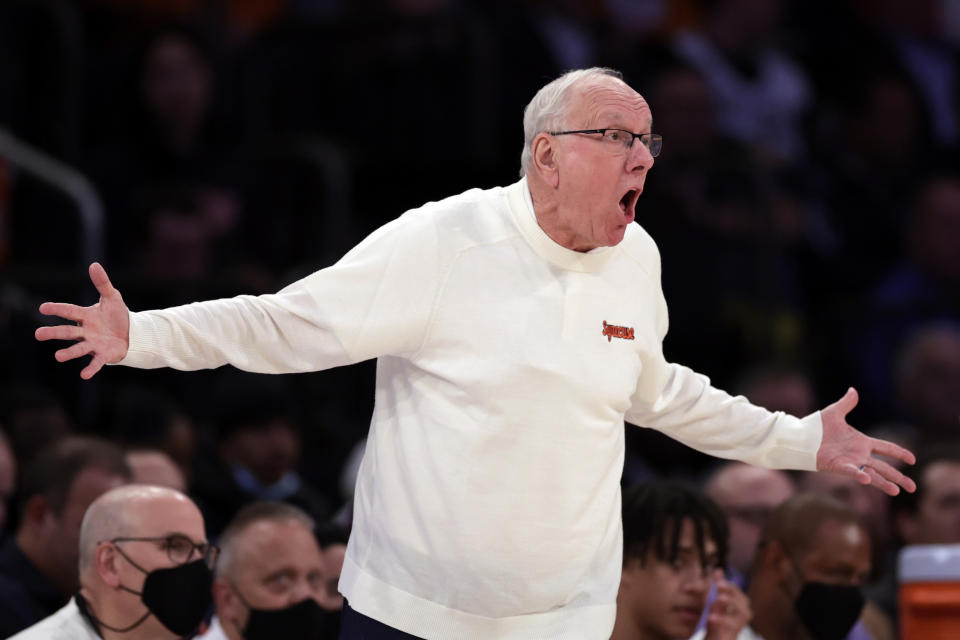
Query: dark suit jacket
(26, 596)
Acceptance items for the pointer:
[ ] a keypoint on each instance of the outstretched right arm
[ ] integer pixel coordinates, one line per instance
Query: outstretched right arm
(375, 301)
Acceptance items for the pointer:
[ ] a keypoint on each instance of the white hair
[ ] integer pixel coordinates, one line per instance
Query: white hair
(110, 516)
(548, 109)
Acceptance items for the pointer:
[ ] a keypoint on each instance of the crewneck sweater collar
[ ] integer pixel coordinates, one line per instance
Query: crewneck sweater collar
(521, 208)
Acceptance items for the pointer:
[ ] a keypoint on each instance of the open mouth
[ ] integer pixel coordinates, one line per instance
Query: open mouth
(628, 202)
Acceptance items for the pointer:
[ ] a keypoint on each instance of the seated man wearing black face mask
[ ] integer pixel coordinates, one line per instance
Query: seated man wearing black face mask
(271, 580)
(813, 559)
(145, 570)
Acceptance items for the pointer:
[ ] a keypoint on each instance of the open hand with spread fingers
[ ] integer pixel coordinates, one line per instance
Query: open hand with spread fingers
(102, 330)
(845, 450)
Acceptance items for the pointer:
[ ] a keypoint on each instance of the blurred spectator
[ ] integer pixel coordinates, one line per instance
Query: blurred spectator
(747, 495)
(172, 185)
(145, 570)
(257, 451)
(38, 566)
(931, 515)
(809, 572)
(8, 479)
(922, 289)
(933, 240)
(916, 36)
(869, 169)
(33, 419)
(872, 507)
(760, 94)
(272, 579)
(155, 468)
(674, 544)
(779, 388)
(146, 418)
(176, 88)
(928, 381)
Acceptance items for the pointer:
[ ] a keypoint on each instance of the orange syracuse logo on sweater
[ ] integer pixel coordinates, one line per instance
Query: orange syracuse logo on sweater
(615, 331)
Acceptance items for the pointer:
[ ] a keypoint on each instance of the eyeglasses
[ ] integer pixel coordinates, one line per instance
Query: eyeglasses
(622, 138)
(180, 548)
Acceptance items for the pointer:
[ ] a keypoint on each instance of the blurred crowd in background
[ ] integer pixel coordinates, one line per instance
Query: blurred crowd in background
(806, 205)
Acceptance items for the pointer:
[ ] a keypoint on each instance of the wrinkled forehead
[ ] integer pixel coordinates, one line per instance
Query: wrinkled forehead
(609, 102)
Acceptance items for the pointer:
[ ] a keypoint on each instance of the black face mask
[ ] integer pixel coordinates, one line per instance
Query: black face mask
(829, 611)
(305, 619)
(178, 597)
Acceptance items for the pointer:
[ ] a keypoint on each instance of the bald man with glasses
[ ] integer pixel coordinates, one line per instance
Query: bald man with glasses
(145, 570)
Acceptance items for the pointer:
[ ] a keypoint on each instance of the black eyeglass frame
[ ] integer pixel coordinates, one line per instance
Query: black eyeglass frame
(206, 551)
(653, 137)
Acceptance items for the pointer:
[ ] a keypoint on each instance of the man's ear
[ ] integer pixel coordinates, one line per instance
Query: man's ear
(545, 159)
(230, 611)
(222, 594)
(105, 562)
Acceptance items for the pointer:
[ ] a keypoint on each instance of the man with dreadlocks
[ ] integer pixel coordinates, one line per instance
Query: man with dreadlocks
(674, 544)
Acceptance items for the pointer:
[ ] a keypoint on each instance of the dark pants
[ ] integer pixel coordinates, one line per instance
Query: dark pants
(356, 626)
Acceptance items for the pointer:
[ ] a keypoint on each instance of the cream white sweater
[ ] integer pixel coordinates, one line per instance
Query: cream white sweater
(488, 501)
(67, 623)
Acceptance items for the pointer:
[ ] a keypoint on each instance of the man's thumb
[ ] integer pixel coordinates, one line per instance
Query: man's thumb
(848, 401)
